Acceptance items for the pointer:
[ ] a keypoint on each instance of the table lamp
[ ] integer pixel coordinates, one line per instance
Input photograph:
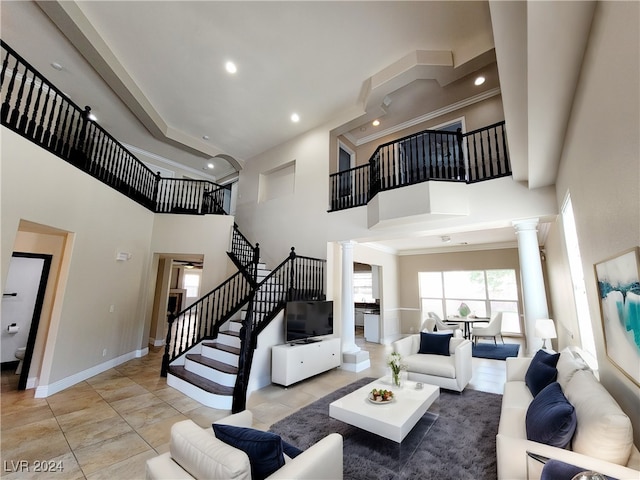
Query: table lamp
(545, 329)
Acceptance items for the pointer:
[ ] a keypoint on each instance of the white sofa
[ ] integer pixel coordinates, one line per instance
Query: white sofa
(603, 440)
(452, 372)
(195, 453)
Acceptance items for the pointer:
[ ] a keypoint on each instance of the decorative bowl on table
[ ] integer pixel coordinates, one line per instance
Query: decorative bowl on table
(380, 396)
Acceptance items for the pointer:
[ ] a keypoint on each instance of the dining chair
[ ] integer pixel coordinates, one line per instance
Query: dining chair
(492, 329)
(442, 326)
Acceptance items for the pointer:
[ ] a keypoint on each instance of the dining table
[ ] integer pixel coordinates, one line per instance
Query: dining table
(467, 322)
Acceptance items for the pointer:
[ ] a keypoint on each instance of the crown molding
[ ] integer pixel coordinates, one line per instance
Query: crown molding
(459, 248)
(426, 117)
(166, 161)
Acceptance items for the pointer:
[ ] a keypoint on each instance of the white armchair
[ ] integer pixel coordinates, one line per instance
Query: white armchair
(452, 371)
(196, 453)
(493, 329)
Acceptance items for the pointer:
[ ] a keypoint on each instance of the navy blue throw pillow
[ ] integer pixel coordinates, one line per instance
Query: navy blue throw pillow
(557, 470)
(547, 358)
(538, 376)
(264, 449)
(289, 450)
(435, 343)
(551, 419)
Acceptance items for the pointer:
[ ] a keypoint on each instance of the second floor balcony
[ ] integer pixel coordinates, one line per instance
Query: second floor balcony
(430, 155)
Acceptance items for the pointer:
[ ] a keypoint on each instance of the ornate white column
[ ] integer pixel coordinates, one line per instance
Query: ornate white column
(348, 312)
(535, 298)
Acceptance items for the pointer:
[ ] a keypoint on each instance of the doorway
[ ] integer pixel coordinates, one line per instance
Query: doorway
(366, 295)
(22, 303)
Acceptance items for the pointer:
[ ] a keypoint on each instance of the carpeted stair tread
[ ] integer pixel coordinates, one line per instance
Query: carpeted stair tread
(211, 363)
(223, 347)
(200, 382)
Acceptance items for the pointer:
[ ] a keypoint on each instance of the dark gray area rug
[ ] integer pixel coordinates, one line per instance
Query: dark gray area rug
(454, 440)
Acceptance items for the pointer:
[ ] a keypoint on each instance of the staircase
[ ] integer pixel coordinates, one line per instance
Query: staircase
(210, 344)
(208, 372)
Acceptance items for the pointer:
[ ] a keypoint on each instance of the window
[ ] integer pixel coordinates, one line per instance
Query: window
(363, 287)
(484, 291)
(579, 289)
(191, 283)
(427, 154)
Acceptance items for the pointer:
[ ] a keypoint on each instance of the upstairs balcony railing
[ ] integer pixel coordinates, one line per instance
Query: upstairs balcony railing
(40, 112)
(429, 155)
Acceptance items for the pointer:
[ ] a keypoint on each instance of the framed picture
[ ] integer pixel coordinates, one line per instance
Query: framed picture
(619, 294)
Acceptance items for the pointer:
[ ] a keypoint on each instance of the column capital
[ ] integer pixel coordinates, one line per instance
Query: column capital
(347, 243)
(525, 225)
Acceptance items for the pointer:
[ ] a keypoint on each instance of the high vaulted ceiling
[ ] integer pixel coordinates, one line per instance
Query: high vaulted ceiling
(165, 61)
(153, 72)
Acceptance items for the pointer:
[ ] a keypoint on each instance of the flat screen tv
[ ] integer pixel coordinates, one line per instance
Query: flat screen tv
(305, 320)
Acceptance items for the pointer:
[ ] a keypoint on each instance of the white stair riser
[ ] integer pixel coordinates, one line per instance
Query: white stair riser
(233, 326)
(222, 402)
(230, 340)
(226, 379)
(219, 355)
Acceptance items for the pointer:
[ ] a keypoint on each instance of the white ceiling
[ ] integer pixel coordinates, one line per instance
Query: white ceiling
(165, 62)
(153, 71)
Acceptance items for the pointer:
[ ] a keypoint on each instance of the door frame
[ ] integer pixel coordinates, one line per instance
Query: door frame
(37, 311)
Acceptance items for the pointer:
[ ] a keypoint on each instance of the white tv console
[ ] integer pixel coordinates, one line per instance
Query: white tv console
(293, 362)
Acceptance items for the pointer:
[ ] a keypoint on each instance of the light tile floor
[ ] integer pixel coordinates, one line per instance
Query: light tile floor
(107, 426)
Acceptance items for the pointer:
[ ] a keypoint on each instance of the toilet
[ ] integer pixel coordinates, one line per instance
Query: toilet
(20, 356)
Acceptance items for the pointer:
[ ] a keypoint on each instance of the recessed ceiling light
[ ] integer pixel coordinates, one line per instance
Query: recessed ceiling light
(375, 123)
(56, 66)
(231, 67)
(93, 118)
(479, 81)
(205, 137)
(295, 118)
(210, 165)
(445, 239)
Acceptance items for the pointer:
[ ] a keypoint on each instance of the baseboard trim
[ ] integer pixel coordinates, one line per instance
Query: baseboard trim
(43, 391)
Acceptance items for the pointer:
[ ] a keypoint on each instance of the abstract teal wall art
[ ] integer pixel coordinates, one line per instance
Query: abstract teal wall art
(619, 293)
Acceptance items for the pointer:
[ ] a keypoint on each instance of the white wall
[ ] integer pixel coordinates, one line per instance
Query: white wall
(100, 316)
(281, 223)
(38, 187)
(600, 167)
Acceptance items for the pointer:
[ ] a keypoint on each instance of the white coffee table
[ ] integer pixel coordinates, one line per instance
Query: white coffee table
(392, 420)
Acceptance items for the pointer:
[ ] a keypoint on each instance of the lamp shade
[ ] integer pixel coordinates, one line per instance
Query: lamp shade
(545, 328)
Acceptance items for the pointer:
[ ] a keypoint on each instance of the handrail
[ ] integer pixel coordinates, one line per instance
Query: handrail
(203, 318)
(40, 112)
(243, 253)
(296, 278)
(481, 154)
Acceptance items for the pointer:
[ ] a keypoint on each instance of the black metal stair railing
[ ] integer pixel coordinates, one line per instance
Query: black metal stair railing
(203, 319)
(243, 253)
(296, 278)
(40, 112)
(428, 155)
